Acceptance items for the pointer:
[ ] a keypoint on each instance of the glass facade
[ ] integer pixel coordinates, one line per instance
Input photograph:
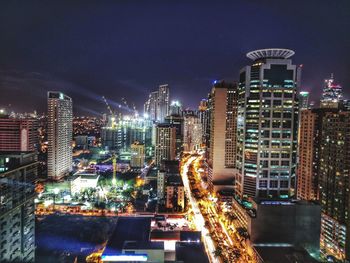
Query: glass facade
(267, 129)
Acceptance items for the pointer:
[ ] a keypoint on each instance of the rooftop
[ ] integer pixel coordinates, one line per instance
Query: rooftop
(135, 229)
(270, 53)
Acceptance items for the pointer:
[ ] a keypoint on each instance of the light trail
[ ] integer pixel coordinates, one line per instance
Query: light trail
(198, 217)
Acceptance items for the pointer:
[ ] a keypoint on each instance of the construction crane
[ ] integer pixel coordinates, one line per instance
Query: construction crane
(110, 111)
(127, 105)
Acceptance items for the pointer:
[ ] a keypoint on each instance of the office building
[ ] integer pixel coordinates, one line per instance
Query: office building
(166, 169)
(304, 100)
(174, 193)
(332, 94)
(192, 139)
(222, 136)
(60, 132)
(17, 218)
(204, 116)
(163, 102)
(334, 182)
(165, 143)
(267, 125)
(177, 121)
(18, 134)
(137, 159)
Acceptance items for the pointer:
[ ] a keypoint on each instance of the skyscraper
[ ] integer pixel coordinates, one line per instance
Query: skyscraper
(18, 134)
(150, 107)
(60, 122)
(303, 100)
(163, 102)
(332, 94)
(18, 172)
(334, 181)
(267, 125)
(175, 108)
(165, 143)
(137, 155)
(222, 136)
(192, 139)
(205, 109)
(323, 174)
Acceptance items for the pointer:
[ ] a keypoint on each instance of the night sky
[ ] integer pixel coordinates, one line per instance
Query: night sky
(126, 48)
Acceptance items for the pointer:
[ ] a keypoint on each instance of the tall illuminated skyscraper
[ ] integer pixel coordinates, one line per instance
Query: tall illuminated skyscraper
(163, 102)
(165, 143)
(304, 100)
(222, 148)
(332, 94)
(192, 139)
(150, 107)
(60, 122)
(267, 125)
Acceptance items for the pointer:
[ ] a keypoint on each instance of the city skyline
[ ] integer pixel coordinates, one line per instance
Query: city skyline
(93, 58)
(171, 131)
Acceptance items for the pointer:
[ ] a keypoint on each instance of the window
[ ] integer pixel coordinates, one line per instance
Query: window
(273, 184)
(276, 124)
(266, 114)
(284, 184)
(263, 184)
(275, 162)
(277, 103)
(287, 124)
(285, 163)
(285, 155)
(265, 124)
(275, 155)
(276, 114)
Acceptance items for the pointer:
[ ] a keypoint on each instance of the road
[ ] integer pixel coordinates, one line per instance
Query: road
(222, 240)
(198, 217)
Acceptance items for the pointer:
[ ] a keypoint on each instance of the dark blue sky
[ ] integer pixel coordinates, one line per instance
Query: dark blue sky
(126, 48)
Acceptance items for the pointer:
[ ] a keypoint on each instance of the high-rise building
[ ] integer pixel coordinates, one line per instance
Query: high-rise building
(192, 139)
(174, 193)
(175, 108)
(204, 116)
(334, 182)
(222, 149)
(163, 102)
(165, 143)
(119, 136)
(60, 132)
(267, 125)
(137, 155)
(304, 100)
(177, 121)
(157, 107)
(18, 134)
(18, 172)
(150, 107)
(332, 94)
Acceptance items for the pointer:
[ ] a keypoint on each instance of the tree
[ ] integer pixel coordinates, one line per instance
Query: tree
(243, 232)
(218, 252)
